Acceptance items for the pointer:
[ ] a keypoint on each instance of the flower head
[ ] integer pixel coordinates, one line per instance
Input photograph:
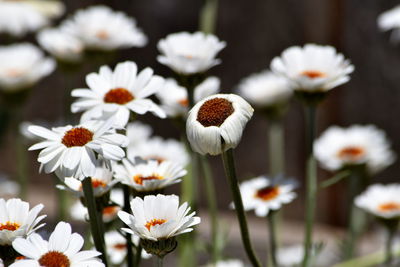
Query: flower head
(118, 92)
(16, 220)
(62, 249)
(262, 194)
(216, 123)
(189, 53)
(381, 200)
(340, 147)
(22, 65)
(158, 217)
(390, 20)
(72, 151)
(101, 28)
(313, 68)
(137, 133)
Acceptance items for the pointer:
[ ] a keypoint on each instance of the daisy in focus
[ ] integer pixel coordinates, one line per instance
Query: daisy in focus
(190, 53)
(101, 28)
(339, 147)
(72, 151)
(62, 249)
(118, 93)
(263, 195)
(313, 68)
(16, 220)
(149, 176)
(216, 118)
(22, 65)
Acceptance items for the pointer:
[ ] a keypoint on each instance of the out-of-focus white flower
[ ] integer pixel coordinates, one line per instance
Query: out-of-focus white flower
(138, 132)
(265, 89)
(262, 194)
(157, 148)
(8, 188)
(16, 220)
(381, 200)
(313, 68)
(49, 8)
(18, 18)
(61, 44)
(390, 20)
(209, 86)
(340, 147)
(72, 151)
(150, 175)
(216, 118)
(101, 28)
(291, 256)
(227, 263)
(190, 53)
(22, 65)
(158, 217)
(62, 249)
(118, 92)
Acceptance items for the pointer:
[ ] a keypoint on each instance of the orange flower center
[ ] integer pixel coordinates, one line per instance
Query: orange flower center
(158, 158)
(312, 74)
(14, 73)
(351, 153)
(102, 35)
(139, 178)
(98, 183)
(389, 206)
(20, 258)
(54, 259)
(77, 137)
(184, 102)
(119, 96)
(267, 193)
(110, 210)
(154, 222)
(9, 226)
(214, 112)
(120, 246)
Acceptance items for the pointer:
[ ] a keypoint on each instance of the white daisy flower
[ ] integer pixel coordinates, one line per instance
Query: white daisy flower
(102, 182)
(190, 53)
(227, 263)
(265, 89)
(381, 200)
(118, 92)
(262, 194)
(16, 220)
(8, 188)
(339, 147)
(61, 44)
(138, 132)
(150, 175)
(158, 217)
(216, 118)
(79, 212)
(101, 28)
(292, 255)
(48, 8)
(18, 18)
(157, 148)
(390, 20)
(313, 68)
(62, 249)
(72, 150)
(209, 86)
(22, 65)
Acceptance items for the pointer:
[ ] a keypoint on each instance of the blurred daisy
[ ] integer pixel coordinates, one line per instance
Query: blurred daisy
(18, 18)
(61, 44)
(8, 188)
(62, 249)
(150, 175)
(138, 132)
(22, 65)
(16, 220)
(227, 263)
(190, 53)
(118, 93)
(157, 148)
(313, 68)
(72, 150)
(265, 89)
(48, 8)
(209, 86)
(79, 212)
(339, 147)
(381, 200)
(158, 217)
(262, 194)
(101, 28)
(216, 123)
(390, 20)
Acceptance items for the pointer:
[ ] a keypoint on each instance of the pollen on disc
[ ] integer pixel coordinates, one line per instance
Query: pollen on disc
(214, 112)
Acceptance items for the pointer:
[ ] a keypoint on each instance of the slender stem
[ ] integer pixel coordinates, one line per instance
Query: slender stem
(126, 208)
(391, 227)
(138, 255)
(311, 184)
(272, 216)
(230, 172)
(208, 16)
(276, 148)
(95, 220)
(212, 207)
(160, 261)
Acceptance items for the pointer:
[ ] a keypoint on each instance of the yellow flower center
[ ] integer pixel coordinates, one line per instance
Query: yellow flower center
(139, 178)
(214, 112)
(102, 35)
(184, 102)
(54, 259)
(154, 222)
(110, 210)
(312, 74)
(10, 226)
(120, 246)
(351, 153)
(267, 193)
(77, 137)
(389, 206)
(119, 96)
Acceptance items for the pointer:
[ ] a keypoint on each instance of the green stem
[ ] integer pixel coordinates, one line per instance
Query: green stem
(208, 16)
(391, 228)
(276, 148)
(95, 220)
(311, 184)
(138, 255)
(229, 166)
(160, 261)
(272, 216)
(129, 256)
